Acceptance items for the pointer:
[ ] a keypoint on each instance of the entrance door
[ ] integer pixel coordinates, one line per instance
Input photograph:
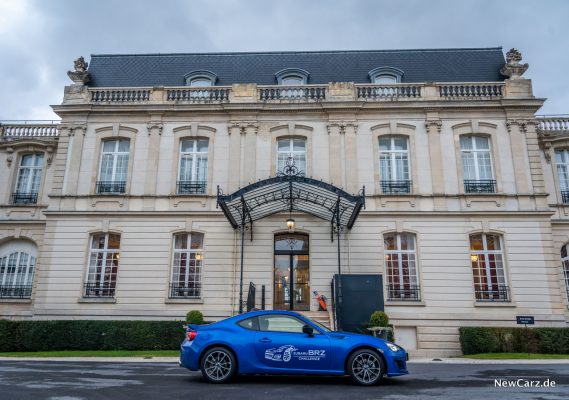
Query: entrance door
(291, 272)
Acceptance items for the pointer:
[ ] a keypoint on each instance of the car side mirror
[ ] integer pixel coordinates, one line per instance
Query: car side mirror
(308, 330)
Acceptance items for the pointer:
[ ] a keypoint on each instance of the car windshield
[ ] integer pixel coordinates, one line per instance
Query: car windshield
(318, 324)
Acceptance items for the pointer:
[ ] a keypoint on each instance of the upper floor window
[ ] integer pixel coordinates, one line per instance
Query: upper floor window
(192, 175)
(104, 256)
(385, 75)
(17, 268)
(477, 164)
(292, 77)
(29, 179)
(487, 259)
(114, 166)
(187, 265)
(291, 147)
(394, 164)
(562, 162)
(565, 262)
(200, 78)
(401, 266)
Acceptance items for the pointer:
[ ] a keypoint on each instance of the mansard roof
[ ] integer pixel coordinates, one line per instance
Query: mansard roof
(439, 65)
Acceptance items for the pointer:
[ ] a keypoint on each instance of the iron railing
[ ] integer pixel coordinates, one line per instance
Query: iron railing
(191, 187)
(565, 196)
(111, 187)
(22, 198)
(186, 291)
(496, 293)
(99, 289)
(15, 291)
(404, 293)
(480, 186)
(396, 187)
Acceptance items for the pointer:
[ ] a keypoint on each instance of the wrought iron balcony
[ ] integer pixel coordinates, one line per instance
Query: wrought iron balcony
(15, 291)
(480, 186)
(22, 198)
(405, 293)
(496, 293)
(191, 187)
(99, 289)
(191, 291)
(111, 187)
(565, 196)
(395, 187)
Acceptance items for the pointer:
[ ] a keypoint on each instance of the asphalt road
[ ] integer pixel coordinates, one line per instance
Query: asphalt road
(53, 380)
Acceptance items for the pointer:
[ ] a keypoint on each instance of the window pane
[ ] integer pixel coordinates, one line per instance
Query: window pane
(384, 143)
(196, 241)
(27, 160)
(390, 242)
(280, 323)
(114, 241)
(292, 80)
(299, 145)
(385, 79)
(564, 251)
(98, 241)
(38, 160)
(466, 142)
(109, 146)
(283, 145)
(202, 145)
(482, 143)
(407, 241)
(493, 242)
(124, 145)
(181, 241)
(400, 143)
(476, 242)
(187, 145)
(200, 82)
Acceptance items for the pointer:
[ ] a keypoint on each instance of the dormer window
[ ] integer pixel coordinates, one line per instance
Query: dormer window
(292, 77)
(383, 75)
(200, 78)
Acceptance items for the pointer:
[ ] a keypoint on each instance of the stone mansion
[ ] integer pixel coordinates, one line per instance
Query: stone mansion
(179, 181)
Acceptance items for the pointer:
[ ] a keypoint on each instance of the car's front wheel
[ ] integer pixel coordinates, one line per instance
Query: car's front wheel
(218, 365)
(366, 367)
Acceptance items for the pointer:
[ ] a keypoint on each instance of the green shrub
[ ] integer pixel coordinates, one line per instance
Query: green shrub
(90, 335)
(379, 318)
(194, 317)
(474, 340)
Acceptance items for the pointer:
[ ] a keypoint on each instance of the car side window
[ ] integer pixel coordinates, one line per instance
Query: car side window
(280, 323)
(249, 323)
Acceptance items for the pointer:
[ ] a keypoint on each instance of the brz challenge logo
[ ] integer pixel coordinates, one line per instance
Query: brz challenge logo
(287, 352)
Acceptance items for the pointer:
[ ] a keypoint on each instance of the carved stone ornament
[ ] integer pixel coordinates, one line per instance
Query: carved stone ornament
(80, 76)
(513, 69)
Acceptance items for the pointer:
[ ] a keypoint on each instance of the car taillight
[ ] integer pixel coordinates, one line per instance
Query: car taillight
(191, 335)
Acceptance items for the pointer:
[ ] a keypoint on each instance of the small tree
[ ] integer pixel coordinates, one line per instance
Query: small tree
(194, 317)
(379, 318)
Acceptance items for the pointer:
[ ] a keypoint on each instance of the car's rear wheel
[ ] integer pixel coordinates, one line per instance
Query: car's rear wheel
(366, 367)
(218, 365)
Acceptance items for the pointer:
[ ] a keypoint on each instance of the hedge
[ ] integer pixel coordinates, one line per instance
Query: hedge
(474, 340)
(90, 335)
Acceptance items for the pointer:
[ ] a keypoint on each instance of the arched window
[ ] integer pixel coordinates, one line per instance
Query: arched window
(401, 266)
(17, 268)
(487, 259)
(192, 174)
(294, 147)
(114, 166)
(562, 162)
(394, 164)
(385, 75)
(29, 179)
(292, 76)
(187, 263)
(477, 164)
(200, 78)
(565, 263)
(104, 256)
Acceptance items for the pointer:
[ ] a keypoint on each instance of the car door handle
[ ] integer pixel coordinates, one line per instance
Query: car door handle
(265, 340)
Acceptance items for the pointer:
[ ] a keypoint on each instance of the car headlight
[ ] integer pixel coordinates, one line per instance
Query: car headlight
(393, 347)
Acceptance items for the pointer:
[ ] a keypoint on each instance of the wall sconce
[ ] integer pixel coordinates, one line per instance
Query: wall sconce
(290, 225)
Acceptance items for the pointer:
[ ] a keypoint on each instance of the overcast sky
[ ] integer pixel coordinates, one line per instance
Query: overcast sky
(39, 39)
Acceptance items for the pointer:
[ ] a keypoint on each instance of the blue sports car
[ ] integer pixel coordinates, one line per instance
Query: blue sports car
(284, 342)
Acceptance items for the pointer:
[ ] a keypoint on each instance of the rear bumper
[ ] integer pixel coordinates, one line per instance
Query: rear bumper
(189, 356)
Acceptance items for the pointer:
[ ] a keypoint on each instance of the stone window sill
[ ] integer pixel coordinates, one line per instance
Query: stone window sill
(405, 303)
(109, 300)
(22, 301)
(183, 301)
(506, 304)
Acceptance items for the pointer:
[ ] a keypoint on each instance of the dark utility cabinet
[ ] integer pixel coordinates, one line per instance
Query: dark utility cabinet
(361, 295)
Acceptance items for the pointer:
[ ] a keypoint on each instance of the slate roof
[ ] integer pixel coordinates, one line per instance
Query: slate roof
(440, 65)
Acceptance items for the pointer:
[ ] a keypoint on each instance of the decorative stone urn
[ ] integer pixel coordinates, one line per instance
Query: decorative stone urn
(513, 69)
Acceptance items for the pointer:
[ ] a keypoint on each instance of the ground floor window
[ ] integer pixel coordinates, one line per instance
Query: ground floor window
(487, 259)
(187, 265)
(104, 256)
(565, 263)
(401, 266)
(17, 268)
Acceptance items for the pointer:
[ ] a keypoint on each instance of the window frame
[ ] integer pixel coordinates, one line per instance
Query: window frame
(565, 267)
(316, 331)
(100, 291)
(563, 188)
(399, 252)
(195, 156)
(292, 153)
(500, 273)
(475, 151)
(23, 272)
(378, 72)
(115, 154)
(198, 276)
(288, 73)
(201, 76)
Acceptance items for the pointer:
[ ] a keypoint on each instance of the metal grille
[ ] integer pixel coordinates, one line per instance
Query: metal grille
(565, 196)
(480, 186)
(15, 291)
(110, 187)
(99, 290)
(395, 187)
(496, 293)
(177, 291)
(191, 187)
(24, 198)
(406, 293)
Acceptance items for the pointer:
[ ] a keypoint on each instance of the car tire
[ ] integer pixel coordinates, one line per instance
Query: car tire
(366, 367)
(218, 365)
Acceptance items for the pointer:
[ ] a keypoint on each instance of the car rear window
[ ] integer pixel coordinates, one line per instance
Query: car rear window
(249, 323)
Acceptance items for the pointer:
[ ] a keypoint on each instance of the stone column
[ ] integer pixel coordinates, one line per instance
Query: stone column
(336, 132)
(519, 155)
(76, 138)
(250, 131)
(235, 130)
(351, 164)
(536, 170)
(154, 135)
(436, 161)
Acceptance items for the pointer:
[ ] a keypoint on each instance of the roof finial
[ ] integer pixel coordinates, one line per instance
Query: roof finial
(80, 76)
(513, 69)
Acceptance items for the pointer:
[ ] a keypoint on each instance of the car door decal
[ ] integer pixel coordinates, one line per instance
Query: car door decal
(287, 352)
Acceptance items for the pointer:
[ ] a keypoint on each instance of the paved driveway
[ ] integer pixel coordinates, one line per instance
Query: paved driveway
(66, 380)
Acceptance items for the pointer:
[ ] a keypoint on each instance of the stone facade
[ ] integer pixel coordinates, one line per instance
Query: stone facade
(341, 135)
